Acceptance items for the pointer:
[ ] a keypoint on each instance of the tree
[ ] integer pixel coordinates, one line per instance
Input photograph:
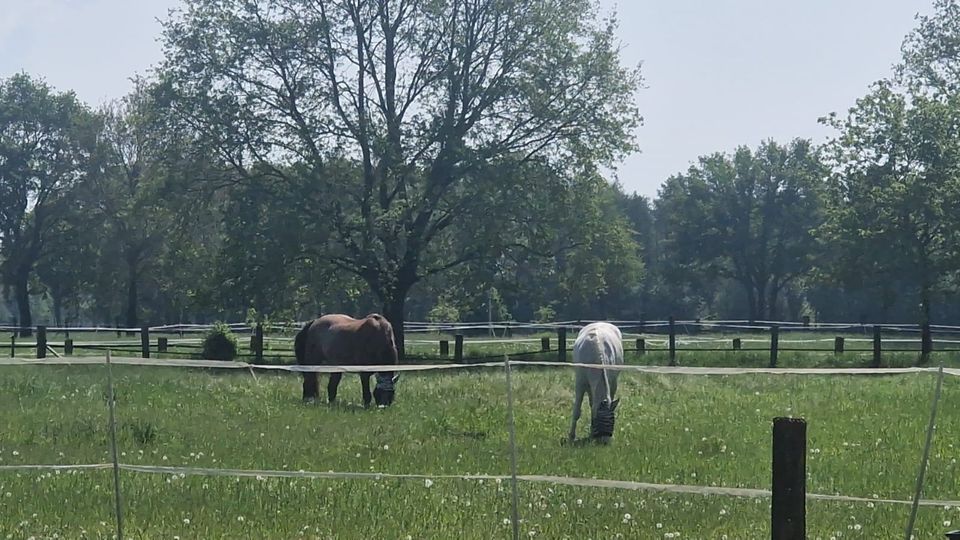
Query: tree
(892, 207)
(931, 52)
(403, 116)
(134, 193)
(46, 143)
(747, 218)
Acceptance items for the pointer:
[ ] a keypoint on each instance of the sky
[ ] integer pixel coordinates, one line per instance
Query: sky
(718, 74)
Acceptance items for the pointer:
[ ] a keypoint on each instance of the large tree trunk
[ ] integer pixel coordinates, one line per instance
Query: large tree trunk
(22, 293)
(394, 307)
(926, 338)
(751, 299)
(132, 294)
(57, 308)
(772, 302)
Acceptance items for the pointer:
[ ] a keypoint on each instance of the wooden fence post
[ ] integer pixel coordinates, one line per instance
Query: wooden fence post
(458, 348)
(258, 343)
(838, 345)
(444, 348)
(145, 342)
(162, 344)
(562, 344)
(774, 344)
(806, 320)
(788, 505)
(926, 342)
(41, 342)
(737, 343)
(67, 347)
(544, 344)
(13, 345)
(116, 323)
(876, 346)
(641, 346)
(673, 341)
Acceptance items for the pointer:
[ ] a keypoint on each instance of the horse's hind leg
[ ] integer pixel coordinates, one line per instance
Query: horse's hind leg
(365, 383)
(310, 385)
(580, 388)
(332, 386)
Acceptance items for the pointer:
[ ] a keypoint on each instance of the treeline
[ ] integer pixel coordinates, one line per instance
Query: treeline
(440, 160)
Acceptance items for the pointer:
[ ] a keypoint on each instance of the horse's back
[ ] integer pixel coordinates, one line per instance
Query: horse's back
(340, 338)
(598, 343)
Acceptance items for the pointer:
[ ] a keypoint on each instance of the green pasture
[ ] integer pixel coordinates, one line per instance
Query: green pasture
(865, 439)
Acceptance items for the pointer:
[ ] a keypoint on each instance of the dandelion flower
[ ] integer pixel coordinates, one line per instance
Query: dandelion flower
(428, 482)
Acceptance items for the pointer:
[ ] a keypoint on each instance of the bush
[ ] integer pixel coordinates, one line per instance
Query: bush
(220, 343)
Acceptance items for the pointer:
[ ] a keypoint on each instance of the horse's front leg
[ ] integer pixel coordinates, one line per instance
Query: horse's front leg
(310, 386)
(332, 386)
(365, 383)
(578, 391)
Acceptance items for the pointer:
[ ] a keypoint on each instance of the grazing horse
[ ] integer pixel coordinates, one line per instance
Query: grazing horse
(602, 344)
(341, 340)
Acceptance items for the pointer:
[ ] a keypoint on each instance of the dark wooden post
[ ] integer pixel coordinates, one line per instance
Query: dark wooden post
(144, 342)
(41, 342)
(806, 320)
(67, 347)
(788, 520)
(737, 343)
(544, 344)
(774, 344)
(562, 344)
(458, 348)
(876, 346)
(162, 344)
(13, 345)
(838, 345)
(643, 323)
(444, 348)
(641, 346)
(258, 343)
(673, 341)
(116, 323)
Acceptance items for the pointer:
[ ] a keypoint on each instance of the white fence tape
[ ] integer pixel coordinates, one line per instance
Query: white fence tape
(535, 478)
(661, 370)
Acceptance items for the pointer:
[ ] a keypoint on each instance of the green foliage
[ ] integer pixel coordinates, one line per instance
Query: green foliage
(220, 343)
(545, 314)
(47, 140)
(444, 311)
(411, 172)
(892, 207)
(747, 218)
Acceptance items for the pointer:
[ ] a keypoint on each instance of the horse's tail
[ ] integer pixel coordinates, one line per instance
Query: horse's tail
(300, 343)
(599, 342)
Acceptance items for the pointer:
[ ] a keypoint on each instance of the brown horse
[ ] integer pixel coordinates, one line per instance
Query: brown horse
(341, 340)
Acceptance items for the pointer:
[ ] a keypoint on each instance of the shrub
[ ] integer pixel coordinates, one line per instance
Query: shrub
(220, 343)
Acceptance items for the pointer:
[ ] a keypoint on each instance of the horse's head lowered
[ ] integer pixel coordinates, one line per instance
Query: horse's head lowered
(601, 425)
(386, 389)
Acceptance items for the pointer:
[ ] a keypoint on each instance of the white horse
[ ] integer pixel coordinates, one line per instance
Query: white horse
(602, 344)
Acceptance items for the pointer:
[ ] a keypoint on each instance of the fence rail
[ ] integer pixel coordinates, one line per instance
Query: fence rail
(670, 337)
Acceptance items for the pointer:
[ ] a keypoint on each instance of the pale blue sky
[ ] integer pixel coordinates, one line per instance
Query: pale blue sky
(720, 73)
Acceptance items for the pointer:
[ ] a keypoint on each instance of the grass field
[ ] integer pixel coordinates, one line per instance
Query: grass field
(865, 439)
